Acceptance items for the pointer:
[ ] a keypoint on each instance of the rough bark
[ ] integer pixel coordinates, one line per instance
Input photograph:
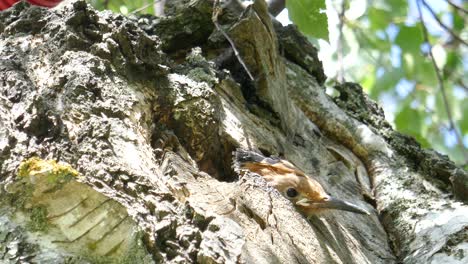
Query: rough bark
(116, 140)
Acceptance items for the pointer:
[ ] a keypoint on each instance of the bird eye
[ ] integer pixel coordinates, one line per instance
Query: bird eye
(291, 193)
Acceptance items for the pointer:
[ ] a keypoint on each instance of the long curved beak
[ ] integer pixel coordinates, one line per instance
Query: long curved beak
(333, 203)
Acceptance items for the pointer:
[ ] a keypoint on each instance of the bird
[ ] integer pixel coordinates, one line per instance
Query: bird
(304, 192)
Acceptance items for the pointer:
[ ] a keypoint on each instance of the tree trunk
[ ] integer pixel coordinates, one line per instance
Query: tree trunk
(116, 141)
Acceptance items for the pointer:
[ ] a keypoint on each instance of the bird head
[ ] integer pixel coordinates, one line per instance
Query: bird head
(304, 192)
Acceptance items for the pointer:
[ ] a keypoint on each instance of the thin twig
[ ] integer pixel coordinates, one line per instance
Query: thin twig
(460, 83)
(458, 7)
(216, 10)
(339, 45)
(106, 4)
(434, 15)
(144, 7)
(441, 82)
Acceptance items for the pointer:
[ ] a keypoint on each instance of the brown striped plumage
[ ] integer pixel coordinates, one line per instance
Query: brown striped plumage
(304, 192)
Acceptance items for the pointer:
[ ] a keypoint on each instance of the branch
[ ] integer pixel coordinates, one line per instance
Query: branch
(459, 81)
(276, 6)
(441, 82)
(434, 15)
(158, 8)
(144, 7)
(339, 46)
(457, 7)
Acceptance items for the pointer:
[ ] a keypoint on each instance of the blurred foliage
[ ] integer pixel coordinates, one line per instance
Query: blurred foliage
(383, 48)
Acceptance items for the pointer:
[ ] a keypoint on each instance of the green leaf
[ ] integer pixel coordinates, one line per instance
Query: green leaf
(420, 69)
(410, 121)
(453, 61)
(425, 72)
(398, 7)
(409, 39)
(379, 18)
(458, 22)
(384, 12)
(309, 16)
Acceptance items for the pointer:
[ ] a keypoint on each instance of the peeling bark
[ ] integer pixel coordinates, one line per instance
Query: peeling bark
(116, 136)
